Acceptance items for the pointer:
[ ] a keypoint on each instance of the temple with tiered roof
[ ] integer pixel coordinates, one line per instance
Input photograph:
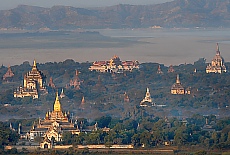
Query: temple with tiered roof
(33, 84)
(54, 124)
(217, 64)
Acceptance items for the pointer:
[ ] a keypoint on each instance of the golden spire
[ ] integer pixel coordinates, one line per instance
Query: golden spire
(34, 64)
(47, 114)
(57, 104)
(177, 79)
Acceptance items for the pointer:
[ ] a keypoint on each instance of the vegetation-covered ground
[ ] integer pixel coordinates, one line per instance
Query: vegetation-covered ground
(104, 92)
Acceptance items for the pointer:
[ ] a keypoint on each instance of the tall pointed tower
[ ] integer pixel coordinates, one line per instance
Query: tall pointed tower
(57, 104)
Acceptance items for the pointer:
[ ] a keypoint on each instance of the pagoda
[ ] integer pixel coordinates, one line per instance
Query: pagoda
(8, 75)
(33, 84)
(171, 69)
(54, 124)
(217, 64)
(177, 87)
(82, 105)
(75, 82)
(62, 95)
(51, 83)
(147, 101)
(159, 71)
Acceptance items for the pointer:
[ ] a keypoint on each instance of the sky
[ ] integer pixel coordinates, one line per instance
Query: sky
(9, 4)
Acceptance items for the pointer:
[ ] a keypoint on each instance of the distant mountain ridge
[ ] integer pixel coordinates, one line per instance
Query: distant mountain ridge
(178, 13)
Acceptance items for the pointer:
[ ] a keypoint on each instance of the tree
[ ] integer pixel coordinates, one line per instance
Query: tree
(104, 121)
(7, 136)
(67, 138)
(181, 136)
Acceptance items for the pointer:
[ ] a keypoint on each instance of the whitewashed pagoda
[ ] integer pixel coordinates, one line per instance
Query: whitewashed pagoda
(147, 101)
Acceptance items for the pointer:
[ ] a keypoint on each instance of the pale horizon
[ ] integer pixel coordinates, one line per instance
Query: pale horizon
(5, 5)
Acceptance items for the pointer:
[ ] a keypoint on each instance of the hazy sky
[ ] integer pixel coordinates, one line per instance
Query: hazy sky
(8, 4)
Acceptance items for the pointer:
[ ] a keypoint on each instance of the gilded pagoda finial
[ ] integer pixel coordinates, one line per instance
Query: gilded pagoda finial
(34, 64)
(57, 104)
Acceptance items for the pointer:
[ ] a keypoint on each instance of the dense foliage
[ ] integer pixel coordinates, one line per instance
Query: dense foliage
(104, 92)
(7, 136)
(152, 133)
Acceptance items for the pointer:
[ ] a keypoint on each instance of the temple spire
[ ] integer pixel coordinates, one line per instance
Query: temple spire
(57, 104)
(217, 49)
(177, 79)
(34, 64)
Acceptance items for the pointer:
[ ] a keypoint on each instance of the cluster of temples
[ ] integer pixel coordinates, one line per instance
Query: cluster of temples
(114, 65)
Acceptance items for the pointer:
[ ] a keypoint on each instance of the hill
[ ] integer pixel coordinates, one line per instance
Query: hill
(178, 13)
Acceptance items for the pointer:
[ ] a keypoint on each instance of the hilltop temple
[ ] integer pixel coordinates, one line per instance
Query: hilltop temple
(159, 71)
(217, 64)
(177, 88)
(54, 124)
(33, 84)
(114, 65)
(171, 69)
(147, 101)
